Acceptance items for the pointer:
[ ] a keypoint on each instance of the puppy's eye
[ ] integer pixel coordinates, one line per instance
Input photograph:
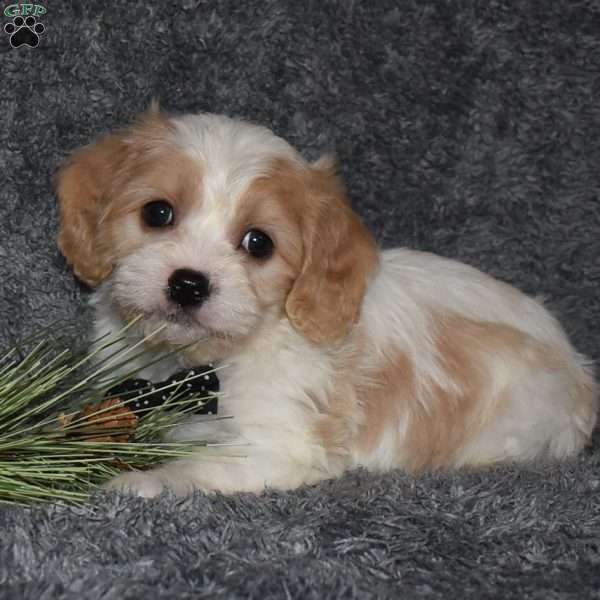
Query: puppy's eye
(257, 244)
(158, 213)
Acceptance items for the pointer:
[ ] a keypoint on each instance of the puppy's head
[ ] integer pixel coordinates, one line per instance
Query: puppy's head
(213, 229)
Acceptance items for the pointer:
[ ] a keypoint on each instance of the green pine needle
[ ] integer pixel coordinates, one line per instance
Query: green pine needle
(44, 457)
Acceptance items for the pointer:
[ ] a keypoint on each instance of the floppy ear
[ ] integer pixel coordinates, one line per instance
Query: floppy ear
(339, 257)
(81, 187)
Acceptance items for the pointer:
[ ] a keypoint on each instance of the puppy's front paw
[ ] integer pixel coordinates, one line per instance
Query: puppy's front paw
(136, 483)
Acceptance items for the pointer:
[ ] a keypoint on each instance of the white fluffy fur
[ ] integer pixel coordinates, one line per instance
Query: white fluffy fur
(276, 386)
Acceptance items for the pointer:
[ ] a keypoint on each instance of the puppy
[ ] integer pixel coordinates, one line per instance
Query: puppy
(335, 354)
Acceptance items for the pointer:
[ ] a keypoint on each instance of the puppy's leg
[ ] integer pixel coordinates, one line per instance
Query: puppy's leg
(260, 468)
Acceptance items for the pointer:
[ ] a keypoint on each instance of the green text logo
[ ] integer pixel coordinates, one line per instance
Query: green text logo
(22, 10)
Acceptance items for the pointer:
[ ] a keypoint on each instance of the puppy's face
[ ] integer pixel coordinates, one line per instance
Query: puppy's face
(213, 229)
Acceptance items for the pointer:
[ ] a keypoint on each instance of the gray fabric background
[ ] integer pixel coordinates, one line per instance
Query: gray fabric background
(467, 128)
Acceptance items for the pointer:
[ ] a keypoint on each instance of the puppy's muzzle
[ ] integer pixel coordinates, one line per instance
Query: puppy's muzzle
(188, 288)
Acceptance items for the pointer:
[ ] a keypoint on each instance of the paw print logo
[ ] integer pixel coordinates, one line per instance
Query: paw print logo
(24, 32)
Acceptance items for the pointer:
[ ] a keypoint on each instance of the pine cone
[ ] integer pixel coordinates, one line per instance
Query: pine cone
(114, 423)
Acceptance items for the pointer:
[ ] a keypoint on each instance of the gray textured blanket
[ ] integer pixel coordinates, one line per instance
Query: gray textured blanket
(471, 129)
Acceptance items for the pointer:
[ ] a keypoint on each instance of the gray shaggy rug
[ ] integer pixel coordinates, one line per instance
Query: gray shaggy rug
(471, 129)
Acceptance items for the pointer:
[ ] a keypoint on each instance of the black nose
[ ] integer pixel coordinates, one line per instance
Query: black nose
(188, 288)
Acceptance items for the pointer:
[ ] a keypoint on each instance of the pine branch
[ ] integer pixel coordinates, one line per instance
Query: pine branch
(60, 437)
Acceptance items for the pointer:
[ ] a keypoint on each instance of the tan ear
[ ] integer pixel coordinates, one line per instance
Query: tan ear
(81, 187)
(339, 257)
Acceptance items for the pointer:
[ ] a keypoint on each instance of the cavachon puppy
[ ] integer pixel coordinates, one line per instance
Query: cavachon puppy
(336, 354)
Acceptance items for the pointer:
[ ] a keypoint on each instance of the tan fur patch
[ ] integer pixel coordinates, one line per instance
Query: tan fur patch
(80, 190)
(168, 174)
(431, 420)
(273, 204)
(339, 258)
(86, 187)
(382, 399)
(452, 411)
(324, 255)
